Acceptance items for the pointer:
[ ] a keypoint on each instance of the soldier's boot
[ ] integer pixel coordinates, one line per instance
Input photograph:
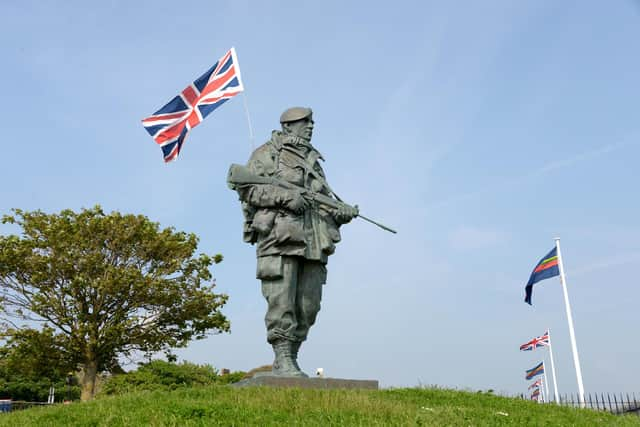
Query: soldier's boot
(295, 346)
(284, 364)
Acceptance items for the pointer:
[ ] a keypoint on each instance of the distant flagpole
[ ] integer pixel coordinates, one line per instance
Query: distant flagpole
(546, 387)
(553, 368)
(572, 334)
(541, 393)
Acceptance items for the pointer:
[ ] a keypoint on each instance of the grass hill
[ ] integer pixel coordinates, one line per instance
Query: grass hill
(228, 406)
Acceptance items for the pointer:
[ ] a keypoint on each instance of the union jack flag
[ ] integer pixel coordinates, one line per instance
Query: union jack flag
(541, 341)
(169, 125)
(536, 383)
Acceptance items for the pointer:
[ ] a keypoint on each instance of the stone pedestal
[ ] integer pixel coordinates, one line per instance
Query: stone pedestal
(316, 383)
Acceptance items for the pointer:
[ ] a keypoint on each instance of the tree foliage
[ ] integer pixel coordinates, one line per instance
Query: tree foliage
(108, 285)
(35, 354)
(31, 361)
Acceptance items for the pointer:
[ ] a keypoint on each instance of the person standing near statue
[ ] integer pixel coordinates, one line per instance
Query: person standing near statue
(293, 232)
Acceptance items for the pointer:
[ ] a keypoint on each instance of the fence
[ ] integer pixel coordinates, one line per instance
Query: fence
(15, 405)
(622, 403)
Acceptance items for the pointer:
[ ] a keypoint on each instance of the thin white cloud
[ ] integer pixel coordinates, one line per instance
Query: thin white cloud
(549, 167)
(616, 260)
(466, 237)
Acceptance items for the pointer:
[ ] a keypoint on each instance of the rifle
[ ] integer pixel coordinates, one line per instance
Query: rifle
(241, 175)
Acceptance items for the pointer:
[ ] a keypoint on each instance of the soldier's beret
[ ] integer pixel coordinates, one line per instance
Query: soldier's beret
(295, 113)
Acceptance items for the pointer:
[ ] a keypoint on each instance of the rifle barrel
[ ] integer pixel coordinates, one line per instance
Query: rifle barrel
(384, 227)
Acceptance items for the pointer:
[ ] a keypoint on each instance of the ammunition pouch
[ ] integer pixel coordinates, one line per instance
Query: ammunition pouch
(269, 267)
(289, 228)
(263, 221)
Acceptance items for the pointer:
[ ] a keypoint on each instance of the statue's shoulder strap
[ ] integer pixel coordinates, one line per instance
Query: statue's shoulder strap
(315, 169)
(265, 159)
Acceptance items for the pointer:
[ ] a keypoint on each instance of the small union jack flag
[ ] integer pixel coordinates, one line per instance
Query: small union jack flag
(537, 383)
(536, 342)
(169, 125)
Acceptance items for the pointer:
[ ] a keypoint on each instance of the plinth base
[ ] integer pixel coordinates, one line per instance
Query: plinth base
(316, 383)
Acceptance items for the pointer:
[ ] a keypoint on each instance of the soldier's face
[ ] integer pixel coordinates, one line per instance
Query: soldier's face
(301, 128)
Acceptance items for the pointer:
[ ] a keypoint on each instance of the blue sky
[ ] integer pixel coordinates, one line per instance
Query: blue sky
(479, 130)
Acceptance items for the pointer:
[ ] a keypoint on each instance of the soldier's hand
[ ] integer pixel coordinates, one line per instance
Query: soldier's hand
(345, 214)
(296, 202)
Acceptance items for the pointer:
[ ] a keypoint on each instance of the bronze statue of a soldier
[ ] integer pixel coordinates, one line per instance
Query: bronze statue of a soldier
(293, 217)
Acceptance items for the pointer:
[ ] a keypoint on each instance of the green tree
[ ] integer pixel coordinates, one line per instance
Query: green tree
(109, 285)
(35, 354)
(31, 361)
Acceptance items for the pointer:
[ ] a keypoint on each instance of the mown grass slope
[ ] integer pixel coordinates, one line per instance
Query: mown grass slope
(227, 406)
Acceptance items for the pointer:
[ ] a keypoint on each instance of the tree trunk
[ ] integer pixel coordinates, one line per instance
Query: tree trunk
(88, 380)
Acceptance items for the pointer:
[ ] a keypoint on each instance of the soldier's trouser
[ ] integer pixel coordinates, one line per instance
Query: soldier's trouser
(293, 299)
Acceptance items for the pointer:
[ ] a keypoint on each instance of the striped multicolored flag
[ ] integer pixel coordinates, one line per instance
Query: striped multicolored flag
(547, 267)
(536, 370)
(536, 394)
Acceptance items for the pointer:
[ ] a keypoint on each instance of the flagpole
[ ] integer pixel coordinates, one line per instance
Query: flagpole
(244, 96)
(546, 387)
(246, 110)
(553, 368)
(574, 347)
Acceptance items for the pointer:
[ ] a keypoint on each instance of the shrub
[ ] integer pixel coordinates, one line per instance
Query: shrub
(231, 378)
(254, 371)
(31, 390)
(161, 375)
